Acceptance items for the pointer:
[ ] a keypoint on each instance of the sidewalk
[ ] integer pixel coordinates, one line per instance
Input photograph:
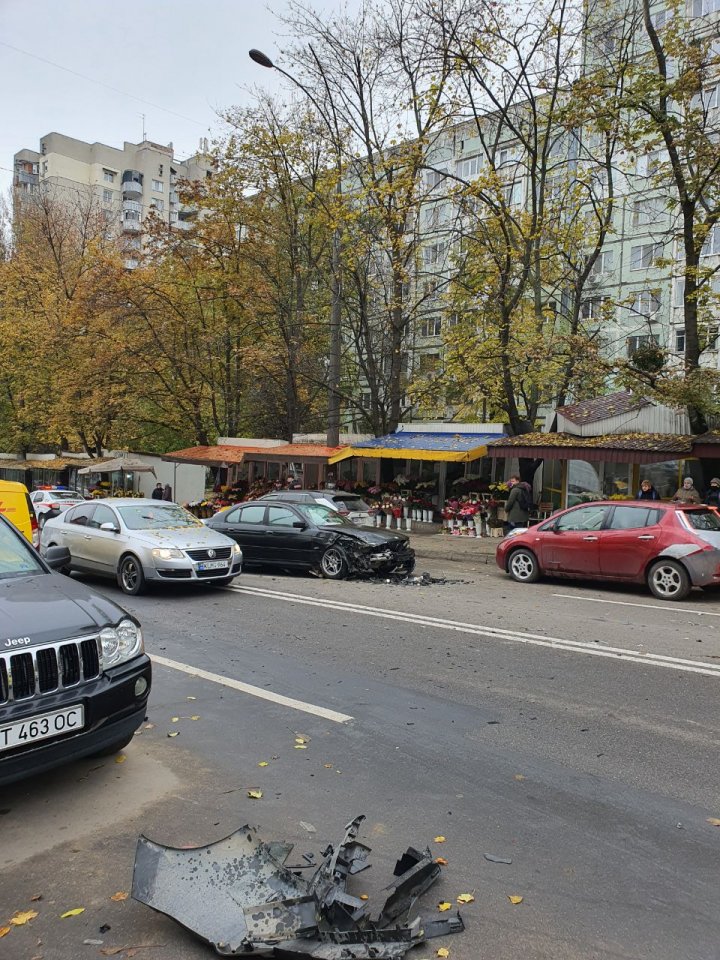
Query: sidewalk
(440, 546)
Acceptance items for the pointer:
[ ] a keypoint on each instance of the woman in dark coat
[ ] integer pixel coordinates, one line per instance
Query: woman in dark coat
(647, 491)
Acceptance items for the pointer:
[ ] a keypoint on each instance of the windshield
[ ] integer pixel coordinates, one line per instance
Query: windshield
(16, 558)
(702, 519)
(157, 517)
(354, 504)
(322, 516)
(63, 495)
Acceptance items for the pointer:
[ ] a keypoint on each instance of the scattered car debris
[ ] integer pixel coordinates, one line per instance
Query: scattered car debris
(493, 859)
(260, 905)
(424, 580)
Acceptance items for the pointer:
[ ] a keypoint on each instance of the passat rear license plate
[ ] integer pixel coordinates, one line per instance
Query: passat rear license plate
(213, 565)
(45, 725)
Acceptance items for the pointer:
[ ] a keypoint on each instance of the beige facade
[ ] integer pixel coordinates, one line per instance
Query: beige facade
(128, 184)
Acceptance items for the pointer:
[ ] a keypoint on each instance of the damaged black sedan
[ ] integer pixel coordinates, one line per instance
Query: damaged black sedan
(309, 536)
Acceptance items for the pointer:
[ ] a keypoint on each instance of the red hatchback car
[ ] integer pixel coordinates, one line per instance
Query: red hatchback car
(671, 548)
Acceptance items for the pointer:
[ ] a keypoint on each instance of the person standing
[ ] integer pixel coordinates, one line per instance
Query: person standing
(157, 493)
(687, 492)
(519, 502)
(647, 491)
(167, 492)
(712, 497)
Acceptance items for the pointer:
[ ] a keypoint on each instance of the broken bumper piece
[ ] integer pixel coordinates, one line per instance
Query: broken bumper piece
(240, 897)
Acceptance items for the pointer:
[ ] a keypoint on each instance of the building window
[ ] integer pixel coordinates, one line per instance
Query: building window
(469, 168)
(512, 193)
(701, 8)
(431, 327)
(131, 215)
(432, 217)
(594, 308)
(434, 177)
(646, 304)
(637, 343)
(605, 262)
(644, 255)
(646, 212)
(428, 363)
(157, 186)
(661, 18)
(680, 341)
(434, 253)
(711, 337)
(647, 164)
(107, 196)
(712, 242)
(430, 289)
(158, 206)
(109, 176)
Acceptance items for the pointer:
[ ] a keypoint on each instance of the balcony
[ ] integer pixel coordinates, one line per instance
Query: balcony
(132, 183)
(132, 206)
(24, 177)
(131, 226)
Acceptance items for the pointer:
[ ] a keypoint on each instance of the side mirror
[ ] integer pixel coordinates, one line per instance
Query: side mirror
(110, 526)
(300, 525)
(57, 557)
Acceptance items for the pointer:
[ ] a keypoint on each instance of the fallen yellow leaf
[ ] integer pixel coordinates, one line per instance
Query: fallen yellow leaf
(443, 952)
(263, 763)
(465, 898)
(364, 896)
(72, 913)
(22, 917)
(175, 733)
(119, 896)
(191, 698)
(438, 839)
(255, 794)
(442, 907)
(120, 758)
(174, 719)
(301, 738)
(714, 821)
(300, 746)
(38, 896)
(519, 776)
(195, 717)
(149, 726)
(441, 861)
(328, 766)
(4, 931)
(515, 899)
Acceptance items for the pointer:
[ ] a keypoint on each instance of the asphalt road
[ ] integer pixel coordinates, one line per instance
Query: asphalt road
(571, 729)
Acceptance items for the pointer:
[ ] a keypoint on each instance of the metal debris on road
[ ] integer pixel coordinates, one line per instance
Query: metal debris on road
(424, 580)
(241, 897)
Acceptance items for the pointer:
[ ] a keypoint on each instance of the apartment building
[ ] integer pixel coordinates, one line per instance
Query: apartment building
(127, 184)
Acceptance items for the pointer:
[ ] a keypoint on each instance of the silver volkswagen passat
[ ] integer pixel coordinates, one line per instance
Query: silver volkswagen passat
(138, 541)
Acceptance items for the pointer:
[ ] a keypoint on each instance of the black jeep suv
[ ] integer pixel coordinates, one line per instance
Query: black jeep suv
(74, 677)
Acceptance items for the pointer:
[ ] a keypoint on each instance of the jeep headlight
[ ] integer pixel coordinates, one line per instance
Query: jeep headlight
(120, 643)
(167, 553)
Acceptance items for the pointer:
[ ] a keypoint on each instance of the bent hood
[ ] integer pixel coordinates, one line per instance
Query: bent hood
(49, 608)
(372, 536)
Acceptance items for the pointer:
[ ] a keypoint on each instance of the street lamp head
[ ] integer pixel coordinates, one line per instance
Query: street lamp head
(259, 57)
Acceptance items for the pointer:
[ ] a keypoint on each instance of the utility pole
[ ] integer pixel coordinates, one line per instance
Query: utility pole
(335, 345)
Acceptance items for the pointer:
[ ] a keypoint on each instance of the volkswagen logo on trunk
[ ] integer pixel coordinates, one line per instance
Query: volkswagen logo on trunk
(211, 553)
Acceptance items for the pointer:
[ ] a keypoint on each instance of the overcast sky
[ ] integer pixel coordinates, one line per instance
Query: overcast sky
(185, 58)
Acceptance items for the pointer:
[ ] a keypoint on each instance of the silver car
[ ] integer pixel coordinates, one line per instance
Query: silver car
(140, 541)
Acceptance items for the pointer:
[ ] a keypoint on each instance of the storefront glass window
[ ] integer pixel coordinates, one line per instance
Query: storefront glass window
(584, 482)
(552, 484)
(616, 480)
(663, 476)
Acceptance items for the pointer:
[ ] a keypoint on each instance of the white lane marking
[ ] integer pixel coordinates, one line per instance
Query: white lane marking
(666, 608)
(557, 643)
(253, 691)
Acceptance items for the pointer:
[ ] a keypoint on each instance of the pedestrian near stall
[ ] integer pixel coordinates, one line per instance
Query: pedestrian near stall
(519, 503)
(712, 497)
(687, 492)
(157, 493)
(647, 491)
(167, 492)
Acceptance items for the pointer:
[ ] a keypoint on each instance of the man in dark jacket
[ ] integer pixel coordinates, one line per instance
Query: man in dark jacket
(518, 504)
(647, 491)
(712, 497)
(157, 493)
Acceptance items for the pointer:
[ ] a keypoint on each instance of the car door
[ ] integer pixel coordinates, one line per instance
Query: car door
(246, 526)
(287, 544)
(572, 546)
(630, 541)
(103, 547)
(73, 534)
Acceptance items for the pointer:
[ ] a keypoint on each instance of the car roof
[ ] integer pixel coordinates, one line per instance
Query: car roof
(655, 504)
(132, 501)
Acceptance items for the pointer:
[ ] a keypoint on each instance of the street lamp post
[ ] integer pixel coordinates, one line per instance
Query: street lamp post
(333, 409)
